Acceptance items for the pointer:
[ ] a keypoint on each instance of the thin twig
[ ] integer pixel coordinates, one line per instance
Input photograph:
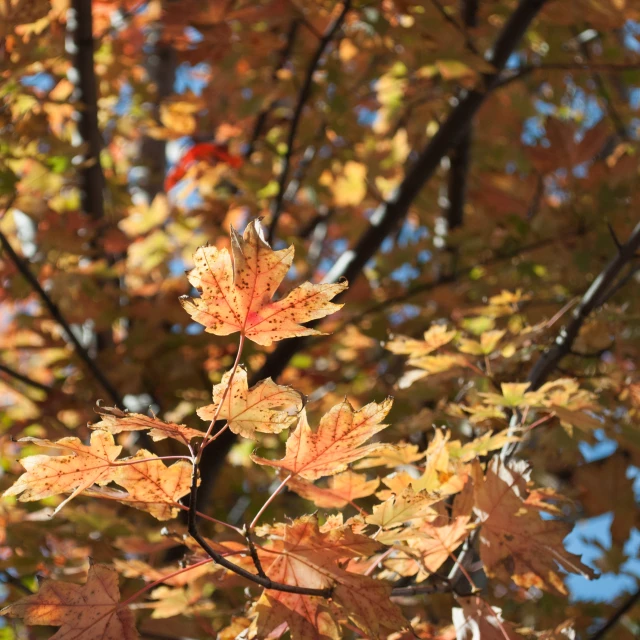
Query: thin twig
(25, 379)
(7, 578)
(254, 552)
(55, 312)
(269, 501)
(469, 19)
(305, 91)
(263, 115)
(263, 581)
(626, 606)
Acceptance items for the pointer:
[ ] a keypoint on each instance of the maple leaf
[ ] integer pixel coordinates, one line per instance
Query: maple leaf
(338, 440)
(515, 542)
(116, 421)
(235, 297)
(266, 407)
(343, 489)
(392, 455)
(402, 508)
(73, 473)
(152, 486)
(310, 557)
(437, 336)
(83, 612)
(428, 546)
(477, 620)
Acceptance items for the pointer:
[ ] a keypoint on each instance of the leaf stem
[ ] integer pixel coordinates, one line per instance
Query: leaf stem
(151, 585)
(206, 440)
(269, 501)
(123, 463)
(210, 519)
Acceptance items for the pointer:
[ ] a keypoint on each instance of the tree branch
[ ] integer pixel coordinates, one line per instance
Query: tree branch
(305, 91)
(626, 606)
(261, 119)
(53, 309)
(601, 289)
(261, 580)
(25, 379)
(521, 72)
(81, 24)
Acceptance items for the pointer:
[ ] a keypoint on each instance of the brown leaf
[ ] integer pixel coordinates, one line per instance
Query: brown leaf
(83, 612)
(515, 542)
(116, 421)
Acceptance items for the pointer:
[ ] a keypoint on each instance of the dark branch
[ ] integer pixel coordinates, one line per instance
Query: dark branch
(457, 182)
(261, 580)
(24, 379)
(53, 309)
(303, 96)
(597, 294)
(602, 288)
(626, 606)
(263, 115)
(81, 24)
(254, 552)
(468, 9)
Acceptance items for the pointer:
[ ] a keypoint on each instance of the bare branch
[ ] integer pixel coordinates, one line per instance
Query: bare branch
(263, 115)
(626, 606)
(24, 379)
(55, 312)
(602, 288)
(261, 580)
(303, 96)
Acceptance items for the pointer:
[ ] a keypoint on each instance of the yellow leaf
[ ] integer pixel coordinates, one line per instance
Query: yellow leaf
(350, 187)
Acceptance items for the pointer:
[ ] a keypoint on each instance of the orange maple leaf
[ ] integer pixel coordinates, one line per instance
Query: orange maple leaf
(115, 421)
(236, 296)
(83, 612)
(337, 442)
(152, 486)
(343, 489)
(52, 475)
(515, 542)
(310, 557)
(266, 407)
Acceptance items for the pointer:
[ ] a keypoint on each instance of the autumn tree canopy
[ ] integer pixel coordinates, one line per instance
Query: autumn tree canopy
(320, 319)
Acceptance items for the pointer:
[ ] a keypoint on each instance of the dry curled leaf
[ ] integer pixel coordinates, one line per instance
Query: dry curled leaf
(235, 296)
(116, 421)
